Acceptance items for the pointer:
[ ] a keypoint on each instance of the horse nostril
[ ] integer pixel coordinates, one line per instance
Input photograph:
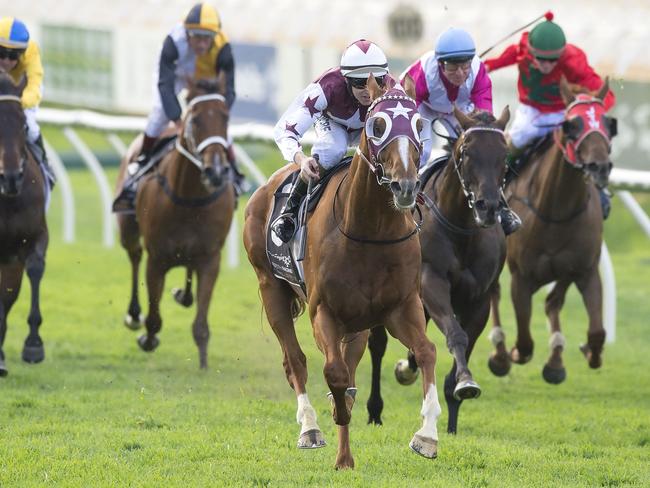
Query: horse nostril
(480, 205)
(395, 187)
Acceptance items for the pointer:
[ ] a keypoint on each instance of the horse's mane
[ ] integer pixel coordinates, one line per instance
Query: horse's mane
(7, 85)
(482, 117)
(208, 85)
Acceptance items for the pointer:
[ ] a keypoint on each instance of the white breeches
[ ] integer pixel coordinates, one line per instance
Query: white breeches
(33, 130)
(529, 123)
(158, 120)
(450, 125)
(332, 141)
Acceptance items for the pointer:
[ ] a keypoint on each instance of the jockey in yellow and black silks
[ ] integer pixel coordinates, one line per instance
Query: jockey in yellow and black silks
(194, 49)
(21, 58)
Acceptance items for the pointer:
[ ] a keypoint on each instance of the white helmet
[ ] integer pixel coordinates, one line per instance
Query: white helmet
(361, 58)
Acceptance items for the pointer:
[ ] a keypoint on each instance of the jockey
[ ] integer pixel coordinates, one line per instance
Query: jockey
(336, 103)
(543, 57)
(453, 75)
(196, 48)
(21, 58)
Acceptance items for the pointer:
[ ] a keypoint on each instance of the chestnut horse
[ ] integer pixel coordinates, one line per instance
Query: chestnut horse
(463, 253)
(561, 235)
(183, 214)
(23, 229)
(362, 269)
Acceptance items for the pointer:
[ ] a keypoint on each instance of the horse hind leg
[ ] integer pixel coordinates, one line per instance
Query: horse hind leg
(522, 295)
(153, 323)
(130, 239)
(592, 295)
(33, 350)
(206, 278)
(183, 296)
(554, 371)
(499, 361)
(377, 345)
(10, 281)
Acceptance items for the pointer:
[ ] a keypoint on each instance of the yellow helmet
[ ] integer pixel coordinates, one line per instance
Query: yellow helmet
(203, 19)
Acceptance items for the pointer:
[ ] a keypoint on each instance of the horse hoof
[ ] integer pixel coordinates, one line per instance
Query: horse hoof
(147, 344)
(519, 358)
(182, 298)
(594, 361)
(554, 376)
(374, 420)
(133, 323)
(404, 374)
(311, 439)
(499, 368)
(3, 369)
(424, 446)
(33, 354)
(466, 390)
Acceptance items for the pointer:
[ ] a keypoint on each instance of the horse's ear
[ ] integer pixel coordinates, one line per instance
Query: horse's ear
(503, 118)
(464, 121)
(409, 86)
(221, 82)
(373, 87)
(565, 90)
(602, 93)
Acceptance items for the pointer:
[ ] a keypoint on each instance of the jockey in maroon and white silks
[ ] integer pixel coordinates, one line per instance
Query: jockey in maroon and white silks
(450, 75)
(336, 103)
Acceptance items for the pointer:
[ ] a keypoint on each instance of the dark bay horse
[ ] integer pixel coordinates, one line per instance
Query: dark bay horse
(561, 235)
(23, 229)
(362, 269)
(183, 214)
(463, 253)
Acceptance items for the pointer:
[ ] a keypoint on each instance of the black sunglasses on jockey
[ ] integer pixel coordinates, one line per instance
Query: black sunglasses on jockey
(12, 54)
(361, 83)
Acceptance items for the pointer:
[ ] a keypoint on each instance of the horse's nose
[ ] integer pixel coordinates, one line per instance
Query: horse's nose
(487, 210)
(405, 188)
(11, 182)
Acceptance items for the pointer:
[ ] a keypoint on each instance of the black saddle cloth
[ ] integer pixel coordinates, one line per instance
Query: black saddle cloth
(286, 258)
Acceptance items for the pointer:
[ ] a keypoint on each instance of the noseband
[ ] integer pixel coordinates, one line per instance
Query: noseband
(471, 197)
(193, 152)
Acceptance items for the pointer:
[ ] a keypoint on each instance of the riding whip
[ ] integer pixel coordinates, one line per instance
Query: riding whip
(548, 15)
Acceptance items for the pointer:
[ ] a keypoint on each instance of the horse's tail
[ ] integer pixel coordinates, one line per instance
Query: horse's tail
(298, 307)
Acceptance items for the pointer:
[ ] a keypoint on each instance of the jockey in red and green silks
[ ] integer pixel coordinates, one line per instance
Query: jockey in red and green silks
(452, 74)
(543, 57)
(21, 58)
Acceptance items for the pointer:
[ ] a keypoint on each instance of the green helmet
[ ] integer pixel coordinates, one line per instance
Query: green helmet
(546, 40)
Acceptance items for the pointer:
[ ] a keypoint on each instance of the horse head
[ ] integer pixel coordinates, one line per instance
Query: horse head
(393, 128)
(13, 152)
(587, 132)
(205, 133)
(479, 158)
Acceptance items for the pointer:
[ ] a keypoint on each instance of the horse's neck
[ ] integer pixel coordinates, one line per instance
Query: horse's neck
(367, 206)
(557, 188)
(183, 175)
(450, 198)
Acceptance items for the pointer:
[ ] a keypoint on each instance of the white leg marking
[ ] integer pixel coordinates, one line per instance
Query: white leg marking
(496, 336)
(430, 412)
(306, 415)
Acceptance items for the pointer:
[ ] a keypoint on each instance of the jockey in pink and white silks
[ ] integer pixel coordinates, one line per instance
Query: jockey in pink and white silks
(450, 75)
(336, 104)
(453, 75)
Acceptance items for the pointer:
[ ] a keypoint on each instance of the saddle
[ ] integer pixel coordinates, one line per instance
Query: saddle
(286, 258)
(517, 165)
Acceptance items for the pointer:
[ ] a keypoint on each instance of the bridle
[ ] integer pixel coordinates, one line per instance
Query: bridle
(17, 99)
(193, 152)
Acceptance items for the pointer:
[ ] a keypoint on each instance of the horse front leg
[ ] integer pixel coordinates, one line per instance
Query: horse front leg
(337, 375)
(554, 371)
(377, 345)
(499, 361)
(155, 282)
(11, 277)
(408, 326)
(521, 295)
(591, 289)
(206, 277)
(33, 350)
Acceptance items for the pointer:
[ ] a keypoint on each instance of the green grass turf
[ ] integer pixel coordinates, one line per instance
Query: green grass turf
(100, 412)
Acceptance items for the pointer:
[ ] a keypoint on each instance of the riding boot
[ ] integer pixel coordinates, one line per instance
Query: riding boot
(285, 225)
(38, 150)
(514, 163)
(605, 201)
(125, 201)
(510, 221)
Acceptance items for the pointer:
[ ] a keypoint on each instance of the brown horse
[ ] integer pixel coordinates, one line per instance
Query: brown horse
(362, 269)
(561, 235)
(463, 253)
(23, 228)
(183, 214)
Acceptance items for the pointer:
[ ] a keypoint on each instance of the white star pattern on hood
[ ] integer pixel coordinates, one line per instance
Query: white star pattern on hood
(400, 110)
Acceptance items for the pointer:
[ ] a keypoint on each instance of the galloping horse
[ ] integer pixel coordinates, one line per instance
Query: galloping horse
(23, 228)
(362, 269)
(561, 235)
(463, 253)
(183, 213)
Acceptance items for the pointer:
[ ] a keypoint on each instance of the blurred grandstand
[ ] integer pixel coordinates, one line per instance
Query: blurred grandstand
(100, 54)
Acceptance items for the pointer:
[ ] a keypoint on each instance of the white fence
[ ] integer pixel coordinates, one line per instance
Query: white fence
(621, 180)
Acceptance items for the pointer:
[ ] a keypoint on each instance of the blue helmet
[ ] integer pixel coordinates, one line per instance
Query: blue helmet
(13, 33)
(455, 44)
